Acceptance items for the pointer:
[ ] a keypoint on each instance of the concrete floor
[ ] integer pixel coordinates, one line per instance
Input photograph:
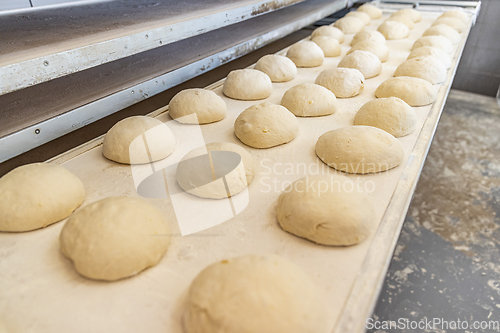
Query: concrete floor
(447, 261)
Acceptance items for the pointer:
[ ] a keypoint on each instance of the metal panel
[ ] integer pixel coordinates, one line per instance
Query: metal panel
(10, 5)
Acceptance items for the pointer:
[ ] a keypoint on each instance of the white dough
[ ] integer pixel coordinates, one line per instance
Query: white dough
(138, 140)
(247, 85)
(36, 195)
(433, 52)
(374, 12)
(115, 238)
(426, 67)
(254, 293)
(458, 14)
(350, 24)
(366, 62)
(359, 149)
(309, 100)
(277, 67)
(197, 106)
(362, 16)
(440, 42)
(394, 30)
(266, 125)
(406, 20)
(379, 49)
(443, 30)
(327, 210)
(329, 45)
(412, 90)
(372, 35)
(390, 114)
(306, 54)
(410, 12)
(452, 22)
(327, 30)
(343, 82)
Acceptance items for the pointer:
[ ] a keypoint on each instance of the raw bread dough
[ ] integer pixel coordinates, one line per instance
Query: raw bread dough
(362, 16)
(197, 106)
(329, 45)
(414, 91)
(458, 14)
(115, 238)
(138, 140)
(350, 24)
(366, 62)
(452, 22)
(406, 20)
(306, 54)
(327, 30)
(309, 100)
(343, 82)
(426, 67)
(254, 293)
(359, 149)
(195, 171)
(443, 30)
(277, 67)
(35, 195)
(390, 114)
(394, 30)
(266, 125)
(247, 85)
(410, 12)
(372, 35)
(433, 52)
(374, 12)
(439, 42)
(379, 49)
(327, 210)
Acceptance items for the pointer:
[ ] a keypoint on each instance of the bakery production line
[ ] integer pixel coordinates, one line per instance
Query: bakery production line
(69, 73)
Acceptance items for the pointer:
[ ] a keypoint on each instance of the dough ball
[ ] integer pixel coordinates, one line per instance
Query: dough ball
(414, 91)
(126, 141)
(35, 195)
(410, 12)
(452, 22)
(426, 67)
(443, 30)
(458, 14)
(372, 35)
(406, 20)
(266, 125)
(309, 100)
(247, 85)
(433, 52)
(254, 293)
(350, 24)
(277, 67)
(326, 30)
(115, 238)
(394, 30)
(366, 62)
(374, 12)
(306, 54)
(329, 45)
(197, 106)
(327, 210)
(390, 114)
(362, 16)
(359, 149)
(379, 49)
(343, 82)
(195, 171)
(439, 42)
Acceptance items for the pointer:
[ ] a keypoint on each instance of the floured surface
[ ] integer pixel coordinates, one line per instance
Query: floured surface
(41, 292)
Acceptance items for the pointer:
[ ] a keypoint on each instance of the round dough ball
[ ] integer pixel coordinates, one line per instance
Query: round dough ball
(443, 30)
(247, 85)
(35, 195)
(379, 49)
(410, 12)
(329, 45)
(197, 106)
(195, 171)
(394, 30)
(326, 30)
(277, 67)
(414, 91)
(366, 62)
(266, 125)
(403, 19)
(327, 210)
(254, 293)
(458, 14)
(362, 16)
(306, 54)
(452, 22)
(359, 149)
(115, 238)
(124, 142)
(309, 100)
(433, 52)
(343, 82)
(350, 24)
(374, 12)
(439, 42)
(391, 114)
(426, 67)
(372, 35)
